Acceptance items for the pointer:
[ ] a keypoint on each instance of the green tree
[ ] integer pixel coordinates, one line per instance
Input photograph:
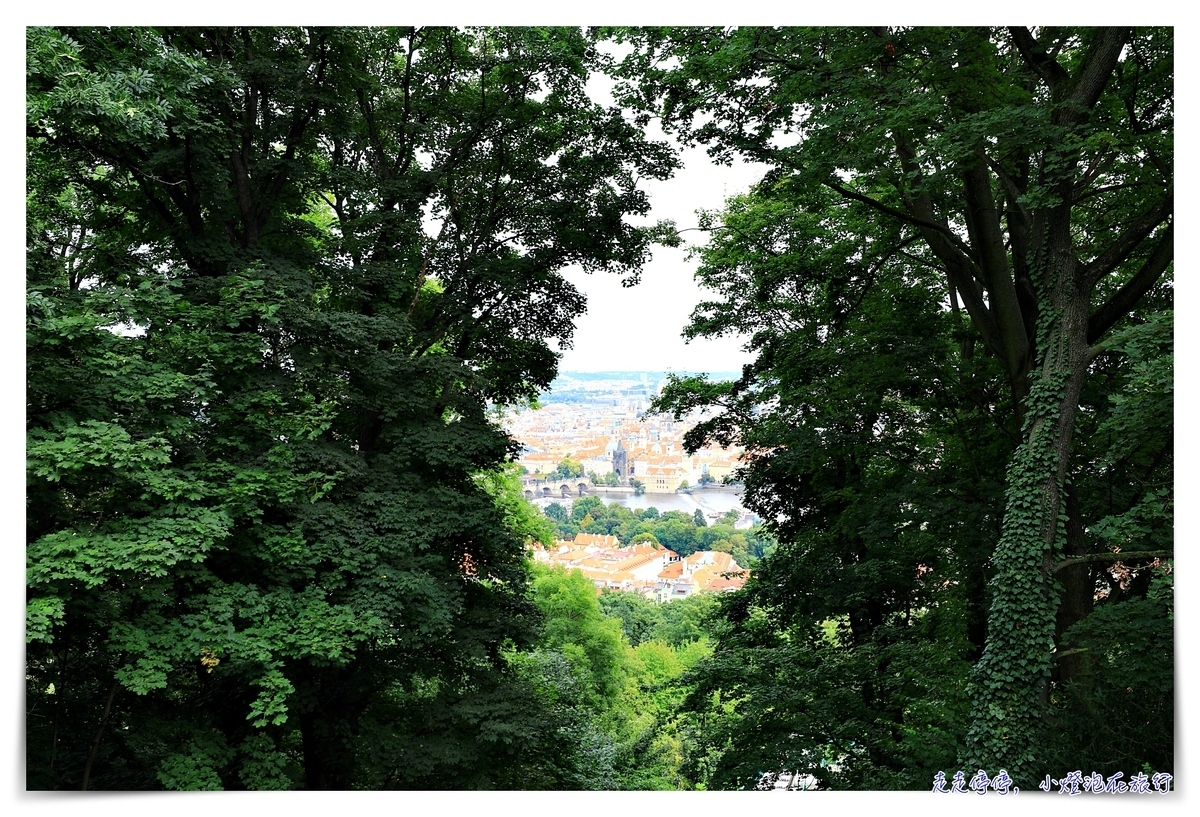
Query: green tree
(676, 535)
(620, 513)
(683, 621)
(577, 627)
(632, 737)
(568, 469)
(520, 516)
(275, 279)
(556, 512)
(698, 519)
(713, 533)
(1031, 173)
(743, 552)
(659, 748)
(639, 617)
(566, 530)
(588, 506)
(652, 738)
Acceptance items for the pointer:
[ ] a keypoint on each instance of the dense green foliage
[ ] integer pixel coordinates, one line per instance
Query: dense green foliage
(677, 623)
(681, 532)
(957, 278)
(275, 279)
(876, 464)
(567, 469)
(283, 282)
(620, 695)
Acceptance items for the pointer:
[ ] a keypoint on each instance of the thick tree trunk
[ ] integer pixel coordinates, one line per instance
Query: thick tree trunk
(1010, 681)
(327, 733)
(1078, 592)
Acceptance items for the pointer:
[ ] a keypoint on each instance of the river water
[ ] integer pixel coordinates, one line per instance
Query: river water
(718, 502)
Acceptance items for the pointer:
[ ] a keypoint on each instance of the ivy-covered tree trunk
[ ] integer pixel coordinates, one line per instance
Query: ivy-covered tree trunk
(1011, 678)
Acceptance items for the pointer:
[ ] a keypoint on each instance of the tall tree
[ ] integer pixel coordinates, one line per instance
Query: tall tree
(275, 278)
(847, 654)
(1032, 170)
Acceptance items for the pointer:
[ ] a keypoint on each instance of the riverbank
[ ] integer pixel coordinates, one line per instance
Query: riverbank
(712, 503)
(714, 489)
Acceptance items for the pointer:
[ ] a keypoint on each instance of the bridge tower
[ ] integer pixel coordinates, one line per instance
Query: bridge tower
(622, 462)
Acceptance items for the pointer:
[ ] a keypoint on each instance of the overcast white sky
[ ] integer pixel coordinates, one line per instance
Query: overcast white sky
(639, 328)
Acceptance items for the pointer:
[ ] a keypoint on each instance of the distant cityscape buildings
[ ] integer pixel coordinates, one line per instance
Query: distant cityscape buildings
(649, 570)
(600, 421)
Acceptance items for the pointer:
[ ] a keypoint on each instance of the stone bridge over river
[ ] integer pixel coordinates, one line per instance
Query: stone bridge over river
(560, 489)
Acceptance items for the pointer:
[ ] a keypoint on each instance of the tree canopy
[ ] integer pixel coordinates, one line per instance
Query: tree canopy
(275, 278)
(961, 231)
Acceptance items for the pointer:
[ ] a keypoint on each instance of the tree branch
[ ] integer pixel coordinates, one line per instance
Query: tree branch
(1097, 69)
(1035, 56)
(983, 226)
(87, 768)
(1126, 298)
(1113, 557)
(1014, 192)
(1127, 242)
(958, 259)
(943, 230)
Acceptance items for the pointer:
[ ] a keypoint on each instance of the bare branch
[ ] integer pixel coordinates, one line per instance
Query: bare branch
(1035, 56)
(1131, 555)
(1126, 298)
(1128, 241)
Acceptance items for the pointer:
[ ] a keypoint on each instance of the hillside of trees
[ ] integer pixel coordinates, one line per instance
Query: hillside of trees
(279, 279)
(676, 530)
